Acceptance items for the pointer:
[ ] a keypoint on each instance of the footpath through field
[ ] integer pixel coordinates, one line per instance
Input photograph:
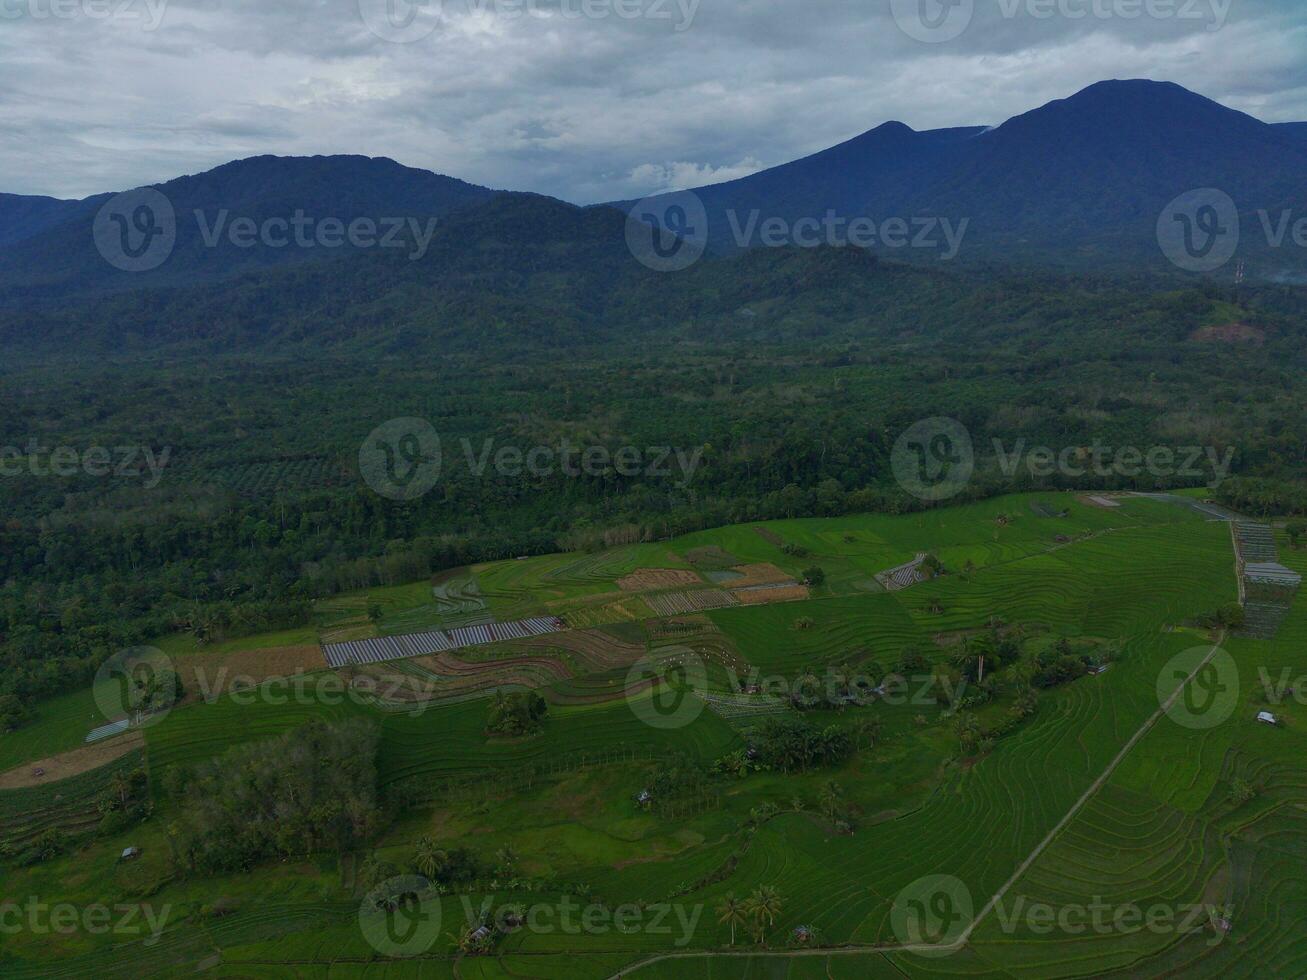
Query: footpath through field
(1022, 868)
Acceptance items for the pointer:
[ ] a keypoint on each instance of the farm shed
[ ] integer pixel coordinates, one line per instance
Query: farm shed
(1267, 718)
(131, 853)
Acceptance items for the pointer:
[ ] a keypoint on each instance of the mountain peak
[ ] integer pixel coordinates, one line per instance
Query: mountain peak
(1129, 110)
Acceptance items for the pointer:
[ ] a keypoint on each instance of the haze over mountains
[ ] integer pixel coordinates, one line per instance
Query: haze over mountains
(1077, 183)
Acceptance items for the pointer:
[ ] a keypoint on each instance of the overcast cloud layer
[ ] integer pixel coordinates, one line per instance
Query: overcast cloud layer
(587, 100)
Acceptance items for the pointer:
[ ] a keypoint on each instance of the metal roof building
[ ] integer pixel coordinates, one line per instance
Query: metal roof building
(1271, 573)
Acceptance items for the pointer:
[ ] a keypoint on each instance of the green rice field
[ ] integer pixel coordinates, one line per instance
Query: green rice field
(1122, 827)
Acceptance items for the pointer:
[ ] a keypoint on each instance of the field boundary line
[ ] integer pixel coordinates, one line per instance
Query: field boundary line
(1094, 787)
(1022, 868)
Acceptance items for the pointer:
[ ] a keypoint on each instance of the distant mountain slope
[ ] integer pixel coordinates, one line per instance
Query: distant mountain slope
(52, 249)
(1080, 180)
(22, 217)
(879, 166)
(516, 275)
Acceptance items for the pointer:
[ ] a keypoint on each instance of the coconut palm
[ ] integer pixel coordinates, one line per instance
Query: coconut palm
(764, 907)
(830, 798)
(731, 912)
(121, 787)
(869, 731)
(429, 859)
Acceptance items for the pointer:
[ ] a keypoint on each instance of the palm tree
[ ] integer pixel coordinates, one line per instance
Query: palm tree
(968, 732)
(830, 797)
(429, 859)
(731, 912)
(121, 787)
(869, 731)
(507, 858)
(764, 908)
(843, 679)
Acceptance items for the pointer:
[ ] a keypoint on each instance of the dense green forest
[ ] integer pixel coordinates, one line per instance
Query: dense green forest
(779, 382)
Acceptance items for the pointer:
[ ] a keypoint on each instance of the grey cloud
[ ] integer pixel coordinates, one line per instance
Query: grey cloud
(583, 110)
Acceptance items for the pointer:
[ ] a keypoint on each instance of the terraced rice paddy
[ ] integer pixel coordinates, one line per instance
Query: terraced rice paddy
(1158, 825)
(68, 805)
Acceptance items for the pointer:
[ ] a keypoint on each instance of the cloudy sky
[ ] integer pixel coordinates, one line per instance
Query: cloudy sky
(587, 100)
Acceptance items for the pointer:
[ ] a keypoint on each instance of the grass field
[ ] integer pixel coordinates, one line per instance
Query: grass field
(1208, 818)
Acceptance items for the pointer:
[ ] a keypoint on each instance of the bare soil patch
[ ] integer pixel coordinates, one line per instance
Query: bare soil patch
(650, 579)
(218, 672)
(761, 574)
(71, 763)
(768, 594)
(1231, 333)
